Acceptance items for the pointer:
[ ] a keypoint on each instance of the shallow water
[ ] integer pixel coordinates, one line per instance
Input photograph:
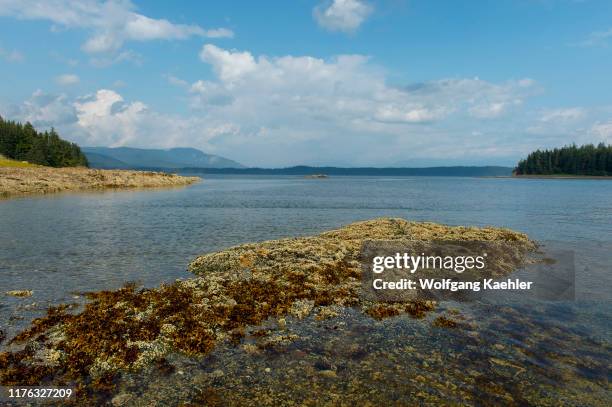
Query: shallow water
(498, 355)
(61, 245)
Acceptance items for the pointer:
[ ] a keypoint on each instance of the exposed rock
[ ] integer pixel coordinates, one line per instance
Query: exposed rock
(121, 399)
(277, 341)
(327, 313)
(242, 286)
(20, 293)
(44, 180)
(217, 374)
(301, 308)
(250, 348)
(443, 322)
(330, 374)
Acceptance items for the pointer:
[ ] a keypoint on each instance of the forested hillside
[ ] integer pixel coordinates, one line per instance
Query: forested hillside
(22, 142)
(568, 160)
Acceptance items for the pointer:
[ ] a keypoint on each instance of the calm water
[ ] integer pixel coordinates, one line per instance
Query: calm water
(61, 245)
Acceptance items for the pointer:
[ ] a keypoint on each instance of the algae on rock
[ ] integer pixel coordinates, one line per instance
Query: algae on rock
(232, 289)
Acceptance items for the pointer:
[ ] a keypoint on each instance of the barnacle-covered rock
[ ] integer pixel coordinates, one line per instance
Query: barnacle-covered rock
(242, 286)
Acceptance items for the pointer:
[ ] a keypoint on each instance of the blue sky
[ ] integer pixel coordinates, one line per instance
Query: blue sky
(320, 82)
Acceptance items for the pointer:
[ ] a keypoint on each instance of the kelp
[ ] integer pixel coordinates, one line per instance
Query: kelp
(234, 289)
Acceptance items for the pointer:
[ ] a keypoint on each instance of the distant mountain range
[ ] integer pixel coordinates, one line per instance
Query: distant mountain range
(456, 171)
(134, 158)
(191, 160)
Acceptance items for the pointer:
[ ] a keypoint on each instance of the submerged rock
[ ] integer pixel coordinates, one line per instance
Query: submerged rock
(243, 286)
(20, 293)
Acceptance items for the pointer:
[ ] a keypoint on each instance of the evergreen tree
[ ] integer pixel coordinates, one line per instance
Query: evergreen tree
(568, 160)
(22, 142)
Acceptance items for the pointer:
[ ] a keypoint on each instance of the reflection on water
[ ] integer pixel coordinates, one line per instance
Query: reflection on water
(517, 353)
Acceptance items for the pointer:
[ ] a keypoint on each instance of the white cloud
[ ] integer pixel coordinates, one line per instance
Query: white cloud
(106, 119)
(390, 113)
(563, 114)
(104, 60)
(103, 42)
(44, 110)
(342, 15)
(173, 80)
(287, 110)
(67, 79)
(288, 101)
(142, 28)
(228, 65)
(490, 110)
(219, 33)
(602, 131)
(111, 23)
(205, 93)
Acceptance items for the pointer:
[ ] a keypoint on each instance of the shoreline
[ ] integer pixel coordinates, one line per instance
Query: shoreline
(18, 182)
(232, 297)
(596, 177)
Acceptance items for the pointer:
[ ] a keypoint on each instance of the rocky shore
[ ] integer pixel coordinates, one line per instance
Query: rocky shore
(45, 180)
(233, 294)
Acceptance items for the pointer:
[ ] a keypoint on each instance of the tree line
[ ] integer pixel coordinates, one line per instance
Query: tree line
(569, 160)
(23, 143)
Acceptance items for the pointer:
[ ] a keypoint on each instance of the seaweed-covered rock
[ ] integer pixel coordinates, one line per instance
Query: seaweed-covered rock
(242, 286)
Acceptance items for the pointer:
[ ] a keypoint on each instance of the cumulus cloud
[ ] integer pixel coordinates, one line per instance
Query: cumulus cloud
(228, 65)
(45, 110)
(105, 118)
(304, 101)
(347, 87)
(111, 23)
(390, 113)
(286, 110)
(108, 119)
(67, 79)
(342, 15)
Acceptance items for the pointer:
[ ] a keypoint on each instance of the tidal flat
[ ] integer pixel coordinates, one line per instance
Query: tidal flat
(253, 298)
(19, 181)
(283, 320)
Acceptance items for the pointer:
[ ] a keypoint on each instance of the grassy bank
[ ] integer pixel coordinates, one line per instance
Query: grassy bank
(7, 162)
(18, 180)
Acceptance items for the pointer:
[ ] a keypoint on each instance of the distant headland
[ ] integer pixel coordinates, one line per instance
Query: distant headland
(193, 161)
(569, 162)
(303, 170)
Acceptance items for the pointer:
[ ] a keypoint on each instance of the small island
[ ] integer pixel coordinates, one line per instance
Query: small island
(316, 176)
(569, 162)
